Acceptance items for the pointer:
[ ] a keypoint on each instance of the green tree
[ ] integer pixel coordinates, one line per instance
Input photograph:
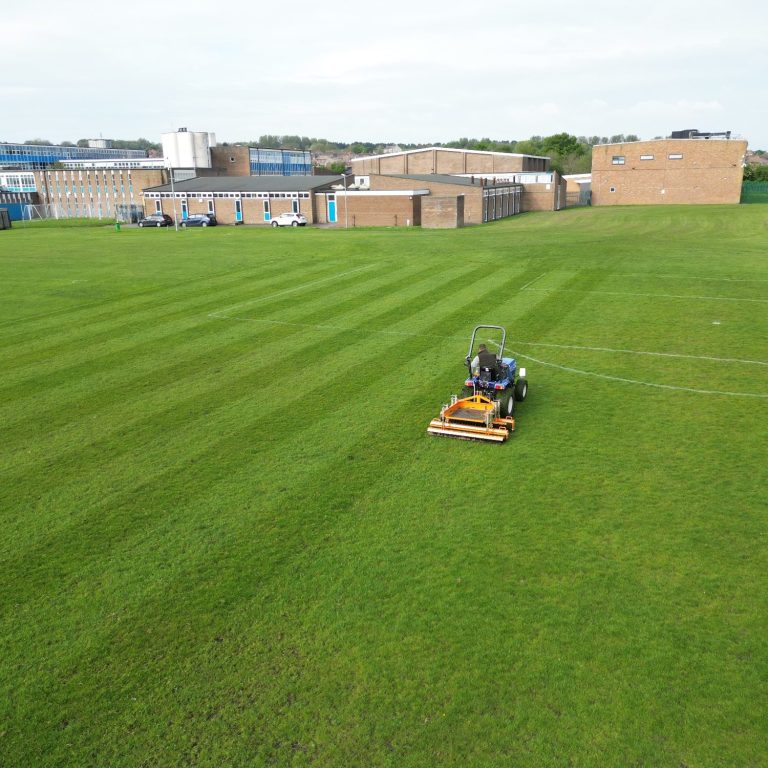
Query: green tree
(563, 144)
(754, 172)
(269, 141)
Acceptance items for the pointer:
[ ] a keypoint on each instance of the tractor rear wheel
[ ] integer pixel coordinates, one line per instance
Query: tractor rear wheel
(521, 389)
(508, 405)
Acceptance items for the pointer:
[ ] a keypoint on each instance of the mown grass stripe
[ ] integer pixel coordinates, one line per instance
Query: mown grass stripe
(117, 372)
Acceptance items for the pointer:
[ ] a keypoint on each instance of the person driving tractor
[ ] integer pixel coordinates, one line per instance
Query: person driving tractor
(483, 359)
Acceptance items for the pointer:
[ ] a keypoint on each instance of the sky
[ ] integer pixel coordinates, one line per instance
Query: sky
(399, 72)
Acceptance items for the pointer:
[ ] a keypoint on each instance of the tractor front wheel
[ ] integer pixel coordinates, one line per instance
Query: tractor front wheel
(521, 390)
(507, 405)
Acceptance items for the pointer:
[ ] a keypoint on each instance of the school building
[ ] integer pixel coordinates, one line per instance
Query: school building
(700, 169)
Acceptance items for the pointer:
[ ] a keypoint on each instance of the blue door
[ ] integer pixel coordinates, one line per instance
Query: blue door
(331, 209)
(184, 210)
(238, 211)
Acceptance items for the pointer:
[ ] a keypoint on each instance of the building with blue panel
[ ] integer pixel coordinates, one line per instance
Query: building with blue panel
(36, 157)
(17, 182)
(280, 162)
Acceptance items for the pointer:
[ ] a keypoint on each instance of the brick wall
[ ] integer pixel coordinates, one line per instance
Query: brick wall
(544, 197)
(109, 187)
(709, 171)
(442, 212)
(473, 194)
(436, 160)
(371, 210)
(231, 161)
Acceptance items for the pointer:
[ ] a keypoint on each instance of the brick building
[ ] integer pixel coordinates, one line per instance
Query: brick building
(96, 192)
(483, 200)
(245, 199)
(444, 160)
(668, 171)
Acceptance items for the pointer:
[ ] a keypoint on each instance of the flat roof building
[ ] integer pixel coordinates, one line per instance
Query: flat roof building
(241, 199)
(33, 157)
(446, 160)
(703, 169)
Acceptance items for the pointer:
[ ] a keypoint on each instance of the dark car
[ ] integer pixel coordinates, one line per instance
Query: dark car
(156, 220)
(200, 220)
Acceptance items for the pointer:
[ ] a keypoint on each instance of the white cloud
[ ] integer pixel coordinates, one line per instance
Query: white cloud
(398, 71)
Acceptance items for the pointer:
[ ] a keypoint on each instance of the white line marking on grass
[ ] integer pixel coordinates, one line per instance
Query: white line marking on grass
(312, 283)
(643, 383)
(639, 352)
(648, 295)
(690, 277)
(410, 334)
(532, 281)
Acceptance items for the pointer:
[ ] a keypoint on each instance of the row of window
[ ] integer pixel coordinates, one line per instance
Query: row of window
(18, 182)
(620, 159)
(266, 208)
(63, 174)
(73, 190)
(233, 195)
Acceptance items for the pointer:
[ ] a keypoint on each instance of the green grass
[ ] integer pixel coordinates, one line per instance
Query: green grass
(228, 541)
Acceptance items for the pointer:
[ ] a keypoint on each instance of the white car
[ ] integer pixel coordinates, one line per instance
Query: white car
(290, 220)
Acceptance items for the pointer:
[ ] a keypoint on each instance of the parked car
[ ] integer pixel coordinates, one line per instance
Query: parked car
(290, 220)
(199, 220)
(156, 220)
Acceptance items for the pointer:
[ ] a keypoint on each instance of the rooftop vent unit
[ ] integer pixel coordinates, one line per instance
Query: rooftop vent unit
(693, 133)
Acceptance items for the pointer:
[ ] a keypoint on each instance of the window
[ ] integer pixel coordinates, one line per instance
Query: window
(613, 189)
(646, 157)
(676, 157)
(617, 160)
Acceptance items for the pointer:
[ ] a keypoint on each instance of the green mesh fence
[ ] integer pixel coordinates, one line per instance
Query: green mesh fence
(754, 192)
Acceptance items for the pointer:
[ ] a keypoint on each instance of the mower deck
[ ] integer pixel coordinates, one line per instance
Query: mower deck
(472, 418)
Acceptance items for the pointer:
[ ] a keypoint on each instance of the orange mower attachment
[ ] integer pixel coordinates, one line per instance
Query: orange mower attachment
(472, 418)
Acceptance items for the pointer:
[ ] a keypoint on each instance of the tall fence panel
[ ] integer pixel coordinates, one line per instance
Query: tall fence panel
(754, 192)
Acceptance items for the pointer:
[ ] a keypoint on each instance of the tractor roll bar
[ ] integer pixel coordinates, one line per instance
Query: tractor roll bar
(492, 327)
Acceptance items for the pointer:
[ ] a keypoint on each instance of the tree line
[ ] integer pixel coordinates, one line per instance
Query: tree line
(568, 154)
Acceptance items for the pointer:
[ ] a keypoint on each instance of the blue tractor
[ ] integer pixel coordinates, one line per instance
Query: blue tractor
(491, 374)
(485, 408)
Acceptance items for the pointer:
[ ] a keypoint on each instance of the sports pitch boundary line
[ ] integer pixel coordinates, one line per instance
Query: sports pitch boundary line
(689, 277)
(644, 383)
(647, 295)
(532, 281)
(579, 371)
(639, 352)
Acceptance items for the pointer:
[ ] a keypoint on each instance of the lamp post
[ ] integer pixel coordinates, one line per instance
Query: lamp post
(346, 202)
(173, 195)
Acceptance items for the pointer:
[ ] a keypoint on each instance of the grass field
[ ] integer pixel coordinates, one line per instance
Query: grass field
(228, 540)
